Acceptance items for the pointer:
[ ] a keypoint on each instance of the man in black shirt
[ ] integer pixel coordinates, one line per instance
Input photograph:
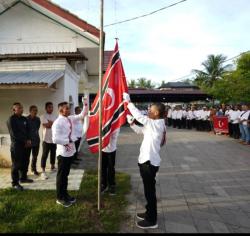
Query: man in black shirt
(34, 123)
(19, 134)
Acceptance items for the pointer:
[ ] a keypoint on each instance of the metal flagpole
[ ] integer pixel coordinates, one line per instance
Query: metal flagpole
(101, 48)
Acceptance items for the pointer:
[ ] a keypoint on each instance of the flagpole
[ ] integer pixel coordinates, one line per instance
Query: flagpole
(101, 47)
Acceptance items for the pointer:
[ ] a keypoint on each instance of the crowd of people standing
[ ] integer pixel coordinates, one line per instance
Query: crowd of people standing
(201, 118)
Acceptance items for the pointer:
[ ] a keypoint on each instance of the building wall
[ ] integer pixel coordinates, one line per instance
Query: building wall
(24, 30)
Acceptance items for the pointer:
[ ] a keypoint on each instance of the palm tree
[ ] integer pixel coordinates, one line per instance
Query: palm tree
(141, 83)
(213, 70)
(132, 83)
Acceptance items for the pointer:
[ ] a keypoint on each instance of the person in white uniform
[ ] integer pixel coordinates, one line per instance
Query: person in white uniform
(108, 164)
(64, 137)
(154, 131)
(48, 146)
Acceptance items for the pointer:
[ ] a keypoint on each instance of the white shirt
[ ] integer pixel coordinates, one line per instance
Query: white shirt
(174, 113)
(184, 114)
(112, 142)
(78, 128)
(204, 115)
(228, 114)
(190, 115)
(244, 116)
(197, 114)
(234, 116)
(169, 113)
(179, 114)
(47, 133)
(153, 131)
(63, 133)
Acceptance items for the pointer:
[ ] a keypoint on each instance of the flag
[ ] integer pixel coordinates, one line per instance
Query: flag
(113, 108)
(220, 124)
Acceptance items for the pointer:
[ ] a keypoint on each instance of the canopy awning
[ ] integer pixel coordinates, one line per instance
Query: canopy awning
(16, 79)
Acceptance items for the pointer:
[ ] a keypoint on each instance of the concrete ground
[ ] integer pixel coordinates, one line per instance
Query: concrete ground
(203, 185)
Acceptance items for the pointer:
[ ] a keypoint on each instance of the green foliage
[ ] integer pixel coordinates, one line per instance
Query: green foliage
(36, 211)
(141, 83)
(229, 87)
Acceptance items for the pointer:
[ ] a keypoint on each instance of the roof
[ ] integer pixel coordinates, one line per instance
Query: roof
(157, 91)
(107, 56)
(178, 85)
(55, 9)
(46, 78)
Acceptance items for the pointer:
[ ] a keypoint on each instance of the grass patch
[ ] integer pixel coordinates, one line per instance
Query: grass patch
(33, 211)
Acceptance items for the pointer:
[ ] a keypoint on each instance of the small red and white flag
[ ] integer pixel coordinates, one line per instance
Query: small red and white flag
(114, 113)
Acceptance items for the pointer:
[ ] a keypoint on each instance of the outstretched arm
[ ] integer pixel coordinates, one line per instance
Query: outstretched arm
(134, 111)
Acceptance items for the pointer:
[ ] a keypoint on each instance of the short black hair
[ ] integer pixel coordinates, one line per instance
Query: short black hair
(48, 104)
(32, 107)
(161, 108)
(61, 104)
(77, 108)
(16, 104)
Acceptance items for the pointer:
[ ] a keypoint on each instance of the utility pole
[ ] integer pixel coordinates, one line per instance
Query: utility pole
(101, 48)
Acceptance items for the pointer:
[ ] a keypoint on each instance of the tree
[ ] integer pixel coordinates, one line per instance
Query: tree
(234, 87)
(132, 83)
(214, 69)
(144, 83)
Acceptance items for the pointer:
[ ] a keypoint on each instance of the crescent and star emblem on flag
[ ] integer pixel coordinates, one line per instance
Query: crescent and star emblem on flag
(220, 124)
(111, 93)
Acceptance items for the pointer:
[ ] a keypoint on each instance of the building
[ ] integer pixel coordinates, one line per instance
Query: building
(46, 54)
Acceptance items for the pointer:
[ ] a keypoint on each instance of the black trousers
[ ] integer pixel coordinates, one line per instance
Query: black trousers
(77, 144)
(236, 131)
(48, 147)
(178, 123)
(184, 123)
(193, 121)
(189, 124)
(230, 129)
(64, 164)
(199, 125)
(174, 123)
(169, 121)
(108, 168)
(17, 151)
(35, 151)
(148, 173)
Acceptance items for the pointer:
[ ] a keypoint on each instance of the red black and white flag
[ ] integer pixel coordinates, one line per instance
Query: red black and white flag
(113, 109)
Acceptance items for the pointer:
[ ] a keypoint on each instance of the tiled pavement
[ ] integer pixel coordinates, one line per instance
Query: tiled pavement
(203, 185)
(75, 178)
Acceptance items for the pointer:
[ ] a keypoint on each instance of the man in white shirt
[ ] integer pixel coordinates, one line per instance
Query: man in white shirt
(154, 131)
(184, 118)
(197, 114)
(243, 121)
(228, 113)
(234, 120)
(174, 113)
(190, 117)
(179, 117)
(48, 146)
(64, 137)
(78, 130)
(169, 116)
(108, 164)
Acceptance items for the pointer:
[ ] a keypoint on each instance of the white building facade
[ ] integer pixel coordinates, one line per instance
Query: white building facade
(46, 54)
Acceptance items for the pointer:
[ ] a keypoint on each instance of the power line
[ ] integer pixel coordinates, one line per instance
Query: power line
(148, 14)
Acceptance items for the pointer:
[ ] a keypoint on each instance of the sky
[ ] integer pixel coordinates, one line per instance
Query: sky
(171, 43)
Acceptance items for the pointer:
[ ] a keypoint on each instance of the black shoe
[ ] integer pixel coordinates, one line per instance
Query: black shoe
(144, 224)
(141, 216)
(71, 199)
(18, 187)
(104, 189)
(36, 172)
(63, 203)
(112, 190)
(26, 180)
